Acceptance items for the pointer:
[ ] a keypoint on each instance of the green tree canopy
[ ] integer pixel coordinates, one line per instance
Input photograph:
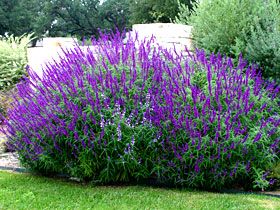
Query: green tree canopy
(82, 18)
(24, 16)
(115, 13)
(149, 11)
(75, 17)
(62, 17)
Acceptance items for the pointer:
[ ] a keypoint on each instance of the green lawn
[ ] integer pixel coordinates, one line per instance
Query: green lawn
(21, 191)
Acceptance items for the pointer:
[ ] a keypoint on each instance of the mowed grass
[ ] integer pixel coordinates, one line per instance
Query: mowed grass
(23, 191)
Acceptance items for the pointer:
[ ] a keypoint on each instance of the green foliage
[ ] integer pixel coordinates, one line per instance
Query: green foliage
(75, 17)
(275, 174)
(150, 11)
(86, 18)
(263, 44)
(217, 24)
(115, 14)
(62, 17)
(276, 171)
(6, 99)
(184, 13)
(232, 27)
(25, 16)
(13, 59)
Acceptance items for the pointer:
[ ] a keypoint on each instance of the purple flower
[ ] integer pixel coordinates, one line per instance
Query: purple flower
(196, 168)
(258, 137)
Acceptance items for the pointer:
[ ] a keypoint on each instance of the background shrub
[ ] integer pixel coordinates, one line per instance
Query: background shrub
(263, 45)
(275, 175)
(13, 59)
(232, 27)
(136, 113)
(6, 99)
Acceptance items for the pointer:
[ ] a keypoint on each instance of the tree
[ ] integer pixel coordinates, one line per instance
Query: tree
(5, 5)
(85, 18)
(116, 14)
(24, 16)
(81, 18)
(75, 17)
(149, 11)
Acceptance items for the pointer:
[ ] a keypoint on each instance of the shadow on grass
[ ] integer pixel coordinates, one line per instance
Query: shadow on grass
(149, 183)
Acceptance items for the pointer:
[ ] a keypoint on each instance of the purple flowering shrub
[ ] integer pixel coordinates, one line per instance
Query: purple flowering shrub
(135, 111)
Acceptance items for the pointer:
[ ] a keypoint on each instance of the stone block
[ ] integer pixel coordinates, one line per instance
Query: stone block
(3, 147)
(59, 42)
(166, 34)
(170, 30)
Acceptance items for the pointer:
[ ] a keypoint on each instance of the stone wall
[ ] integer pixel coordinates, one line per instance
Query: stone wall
(166, 34)
(59, 42)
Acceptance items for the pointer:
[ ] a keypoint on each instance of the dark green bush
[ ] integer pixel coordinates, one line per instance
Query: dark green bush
(231, 27)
